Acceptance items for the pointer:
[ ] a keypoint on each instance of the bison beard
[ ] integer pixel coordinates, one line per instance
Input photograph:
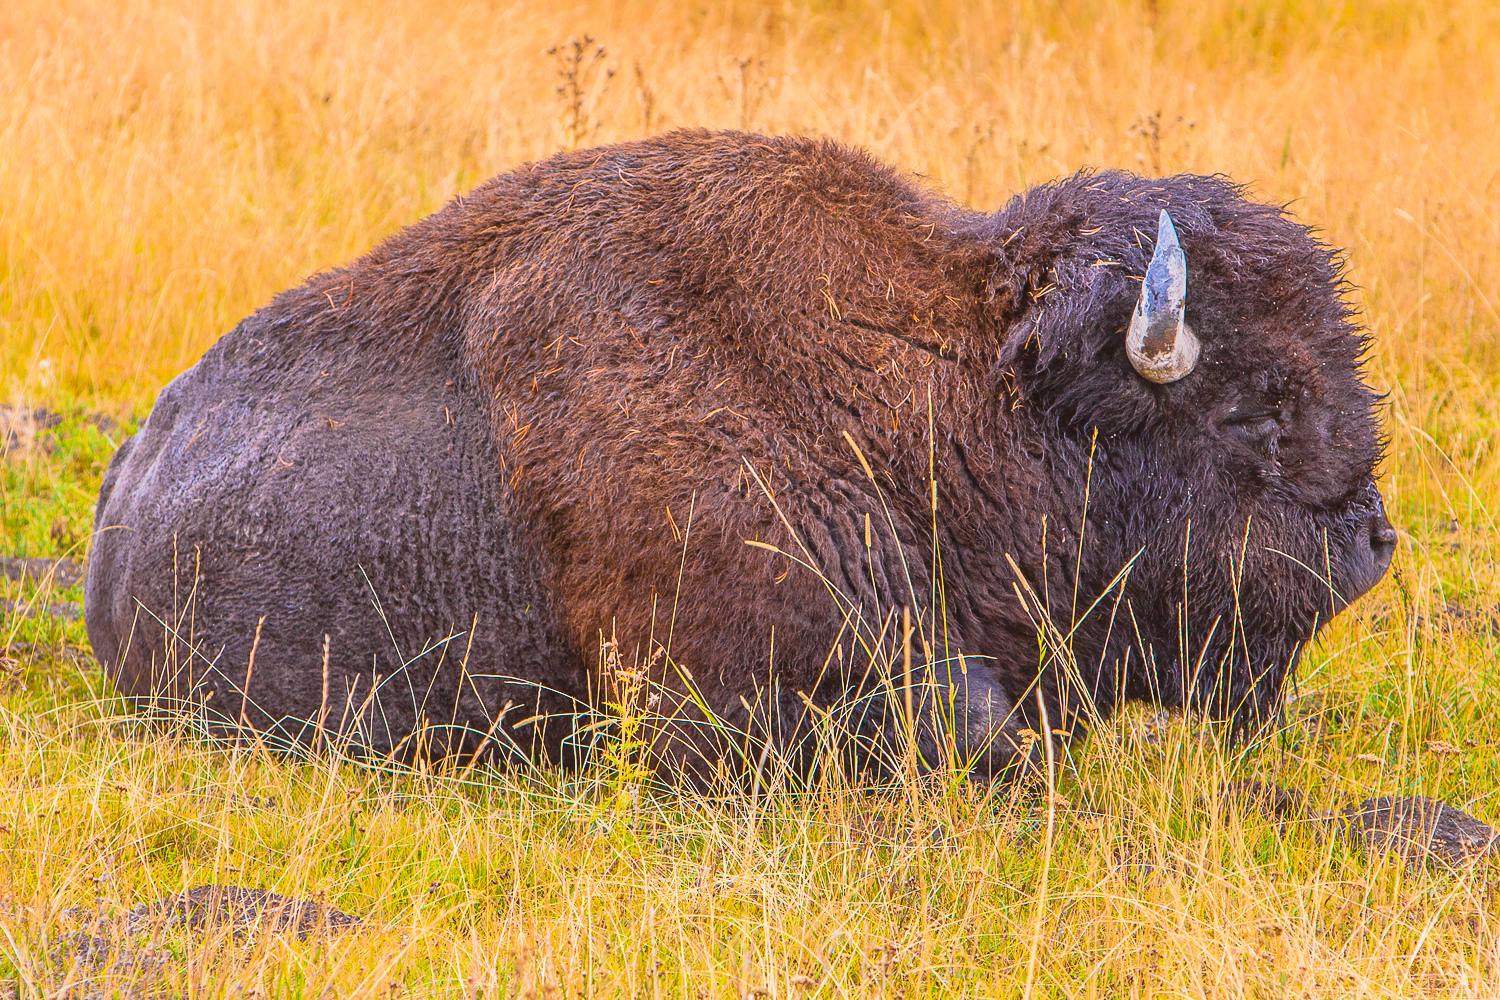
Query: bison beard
(557, 410)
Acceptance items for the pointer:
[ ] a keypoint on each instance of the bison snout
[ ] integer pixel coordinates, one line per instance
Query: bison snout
(1382, 543)
(1369, 555)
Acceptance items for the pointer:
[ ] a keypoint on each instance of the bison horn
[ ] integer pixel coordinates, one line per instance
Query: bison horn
(1160, 344)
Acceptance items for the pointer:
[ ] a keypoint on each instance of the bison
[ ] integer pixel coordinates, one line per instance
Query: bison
(780, 428)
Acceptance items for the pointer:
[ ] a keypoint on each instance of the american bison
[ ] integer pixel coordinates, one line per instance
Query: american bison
(735, 409)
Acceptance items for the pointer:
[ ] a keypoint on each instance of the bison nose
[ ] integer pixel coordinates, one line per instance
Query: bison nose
(1382, 542)
(1371, 543)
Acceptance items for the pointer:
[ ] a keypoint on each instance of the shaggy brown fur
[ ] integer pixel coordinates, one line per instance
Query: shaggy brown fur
(559, 408)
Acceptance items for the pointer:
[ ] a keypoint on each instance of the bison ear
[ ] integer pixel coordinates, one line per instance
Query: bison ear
(1021, 276)
(1005, 291)
(1015, 299)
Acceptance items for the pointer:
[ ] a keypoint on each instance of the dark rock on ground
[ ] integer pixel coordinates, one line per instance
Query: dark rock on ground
(100, 938)
(1420, 829)
(20, 427)
(28, 652)
(1269, 800)
(67, 610)
(59, 574)
(235, 906)
(62, 573)
(1452, 616)
(240, 803)
(1413, 827)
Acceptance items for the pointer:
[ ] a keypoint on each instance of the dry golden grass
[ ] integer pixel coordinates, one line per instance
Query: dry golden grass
(167, 166)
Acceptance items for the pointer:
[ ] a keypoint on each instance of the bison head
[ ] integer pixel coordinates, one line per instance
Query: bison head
(1195, 352)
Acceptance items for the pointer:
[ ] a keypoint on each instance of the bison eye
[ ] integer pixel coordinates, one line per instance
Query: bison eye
(1257, 428)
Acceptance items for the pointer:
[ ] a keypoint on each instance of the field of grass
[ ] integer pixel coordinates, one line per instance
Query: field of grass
(166, 166)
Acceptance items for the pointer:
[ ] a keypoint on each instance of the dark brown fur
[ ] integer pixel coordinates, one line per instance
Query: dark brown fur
(559, 408)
